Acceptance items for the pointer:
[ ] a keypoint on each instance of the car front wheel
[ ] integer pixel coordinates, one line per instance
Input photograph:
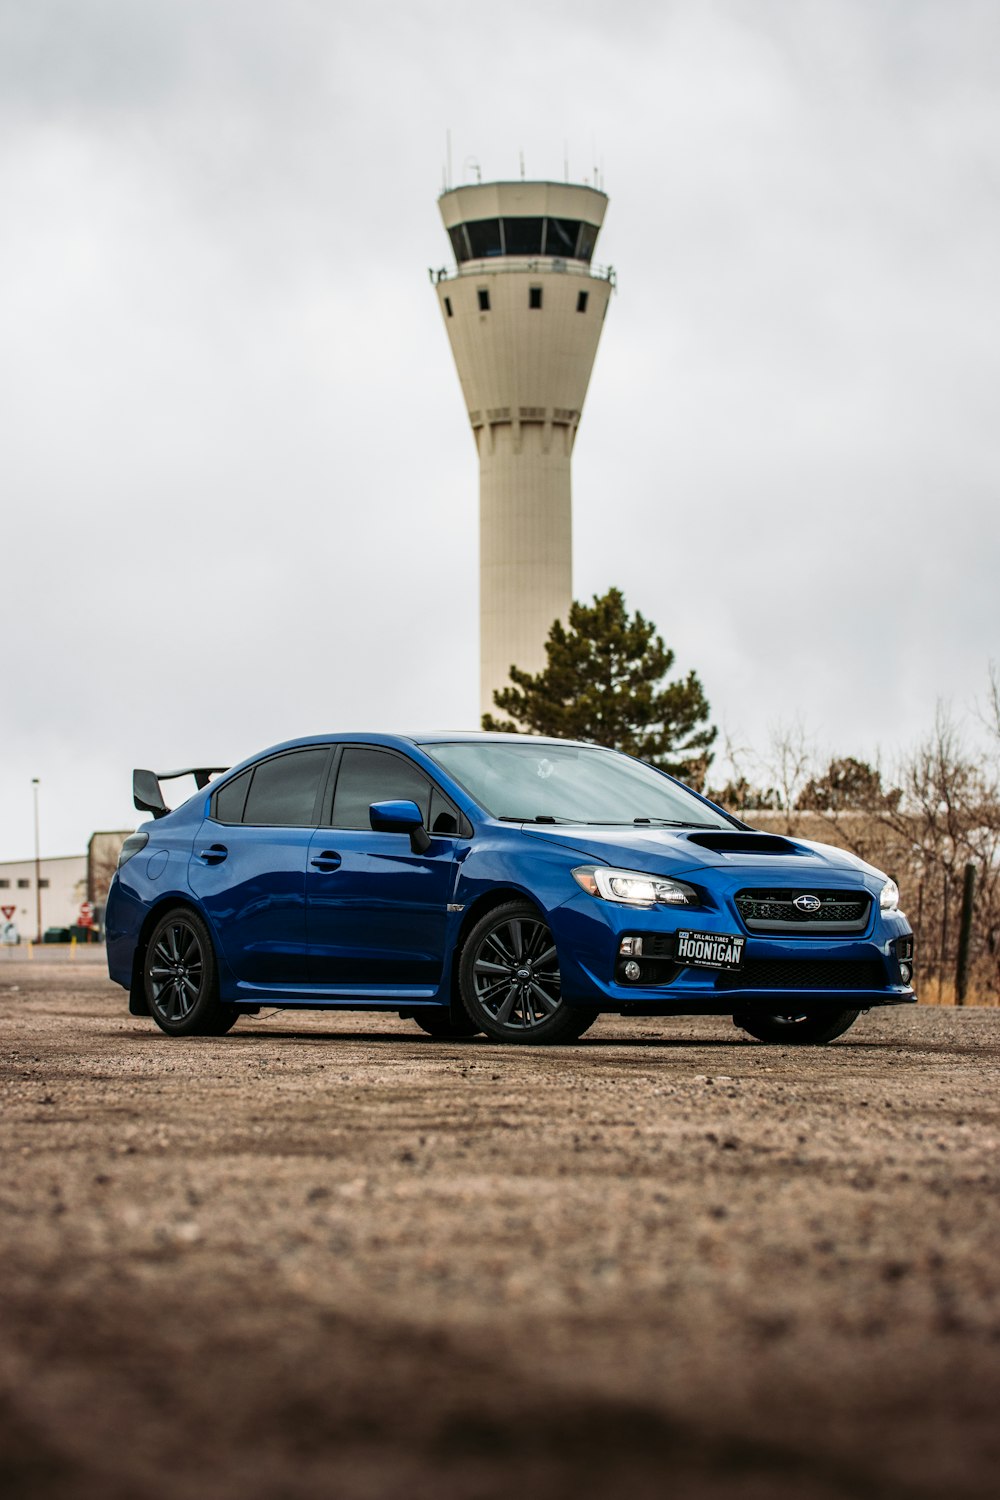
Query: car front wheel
(798, 1028)
(509, 979)
(180, 978)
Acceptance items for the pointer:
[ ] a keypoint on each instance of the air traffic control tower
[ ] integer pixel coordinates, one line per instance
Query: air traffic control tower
(524, 311)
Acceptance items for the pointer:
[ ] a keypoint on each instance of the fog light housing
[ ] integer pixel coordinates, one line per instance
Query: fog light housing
(906, 972)
(632, 969)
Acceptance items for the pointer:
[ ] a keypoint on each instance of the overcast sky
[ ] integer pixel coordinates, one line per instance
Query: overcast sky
(239, 493)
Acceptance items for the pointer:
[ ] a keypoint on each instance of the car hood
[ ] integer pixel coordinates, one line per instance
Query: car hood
(667, 851)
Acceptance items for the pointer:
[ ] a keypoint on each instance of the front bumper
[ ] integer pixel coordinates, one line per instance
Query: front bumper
(857, 972)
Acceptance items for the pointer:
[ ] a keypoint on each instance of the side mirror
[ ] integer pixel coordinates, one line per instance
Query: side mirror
(401, 817)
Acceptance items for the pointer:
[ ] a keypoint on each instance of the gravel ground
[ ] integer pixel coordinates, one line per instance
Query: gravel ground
(328, 1256)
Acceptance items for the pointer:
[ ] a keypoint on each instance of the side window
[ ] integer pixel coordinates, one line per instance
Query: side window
(444, 815)
(368, 776)
(231, 798)
(283, 790)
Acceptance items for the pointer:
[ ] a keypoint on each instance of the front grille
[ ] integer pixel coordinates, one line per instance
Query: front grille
(804, 974)
(658, 944)
(768, 910)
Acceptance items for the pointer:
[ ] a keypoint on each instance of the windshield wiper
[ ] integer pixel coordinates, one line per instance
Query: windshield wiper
(538, 818)
(676, 823)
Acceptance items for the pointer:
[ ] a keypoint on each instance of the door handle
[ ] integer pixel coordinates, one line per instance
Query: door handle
(327, 861)
(214, 855)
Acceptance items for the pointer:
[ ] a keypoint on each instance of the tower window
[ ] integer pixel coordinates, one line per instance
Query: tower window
(534, 296)
(484, 238)
(561, 236)
(447, 306)
(523, 236)
(484, 299)
(581, 301)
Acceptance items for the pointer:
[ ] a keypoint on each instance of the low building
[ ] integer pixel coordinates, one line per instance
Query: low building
(61, 887)
(73, 890)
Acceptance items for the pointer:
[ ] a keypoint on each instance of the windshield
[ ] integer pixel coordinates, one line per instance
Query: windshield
(569, 783)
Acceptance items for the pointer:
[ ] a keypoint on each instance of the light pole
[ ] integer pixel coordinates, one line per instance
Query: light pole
(38, 865)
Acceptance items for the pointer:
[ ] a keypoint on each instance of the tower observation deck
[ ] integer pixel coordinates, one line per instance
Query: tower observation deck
(523, 311)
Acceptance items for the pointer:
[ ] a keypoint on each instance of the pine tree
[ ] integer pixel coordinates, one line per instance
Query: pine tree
(604, 683)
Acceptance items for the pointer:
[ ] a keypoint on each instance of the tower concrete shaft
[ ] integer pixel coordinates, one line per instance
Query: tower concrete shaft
(523, 312)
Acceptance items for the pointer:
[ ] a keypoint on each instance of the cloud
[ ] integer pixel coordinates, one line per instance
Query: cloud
(240, 489)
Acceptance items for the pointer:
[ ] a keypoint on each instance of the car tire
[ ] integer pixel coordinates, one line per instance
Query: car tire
(180, 978)
(797, 1029)
(509, 979)
(438, 1023)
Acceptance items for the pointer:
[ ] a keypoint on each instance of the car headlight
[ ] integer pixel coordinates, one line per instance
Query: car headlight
(632, 888)
(888, 897)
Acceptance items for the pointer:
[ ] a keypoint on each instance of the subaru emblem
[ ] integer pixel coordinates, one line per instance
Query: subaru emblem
(807, 903)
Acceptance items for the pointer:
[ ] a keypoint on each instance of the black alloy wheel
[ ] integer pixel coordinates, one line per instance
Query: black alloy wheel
(798, 1028)
(509, 979)
(180, 978)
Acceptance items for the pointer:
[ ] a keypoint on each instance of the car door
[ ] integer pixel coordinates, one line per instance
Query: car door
(248, 865)
(377, 912)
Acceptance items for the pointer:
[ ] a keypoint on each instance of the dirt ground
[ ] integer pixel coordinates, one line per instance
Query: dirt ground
(327, 1256)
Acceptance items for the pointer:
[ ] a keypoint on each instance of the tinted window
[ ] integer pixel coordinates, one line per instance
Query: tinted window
(283, 791)
(444, 815)
(560, 236)
(523, 236)
(230, 799)
(484, 238)
(368, 776)
(585, 244)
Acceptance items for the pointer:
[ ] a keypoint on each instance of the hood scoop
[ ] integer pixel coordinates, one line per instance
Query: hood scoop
(744, 843)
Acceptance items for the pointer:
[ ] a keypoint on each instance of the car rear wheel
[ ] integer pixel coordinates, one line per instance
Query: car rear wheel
(509, 979)
(180, 978)
(798, 1028)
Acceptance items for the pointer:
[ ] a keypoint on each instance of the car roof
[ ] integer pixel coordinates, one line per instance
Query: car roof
(425, 737)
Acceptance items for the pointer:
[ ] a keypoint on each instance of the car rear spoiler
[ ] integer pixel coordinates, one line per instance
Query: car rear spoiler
(148, 797)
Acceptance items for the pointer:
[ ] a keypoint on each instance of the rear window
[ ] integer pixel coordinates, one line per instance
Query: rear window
(284, 790)
(230, 799)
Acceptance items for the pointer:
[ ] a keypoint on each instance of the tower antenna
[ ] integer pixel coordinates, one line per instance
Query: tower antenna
(447, 135)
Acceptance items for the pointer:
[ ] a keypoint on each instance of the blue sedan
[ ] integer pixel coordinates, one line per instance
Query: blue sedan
(489, 883)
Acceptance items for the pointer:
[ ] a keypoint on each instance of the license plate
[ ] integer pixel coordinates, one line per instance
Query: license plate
(709, 950)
